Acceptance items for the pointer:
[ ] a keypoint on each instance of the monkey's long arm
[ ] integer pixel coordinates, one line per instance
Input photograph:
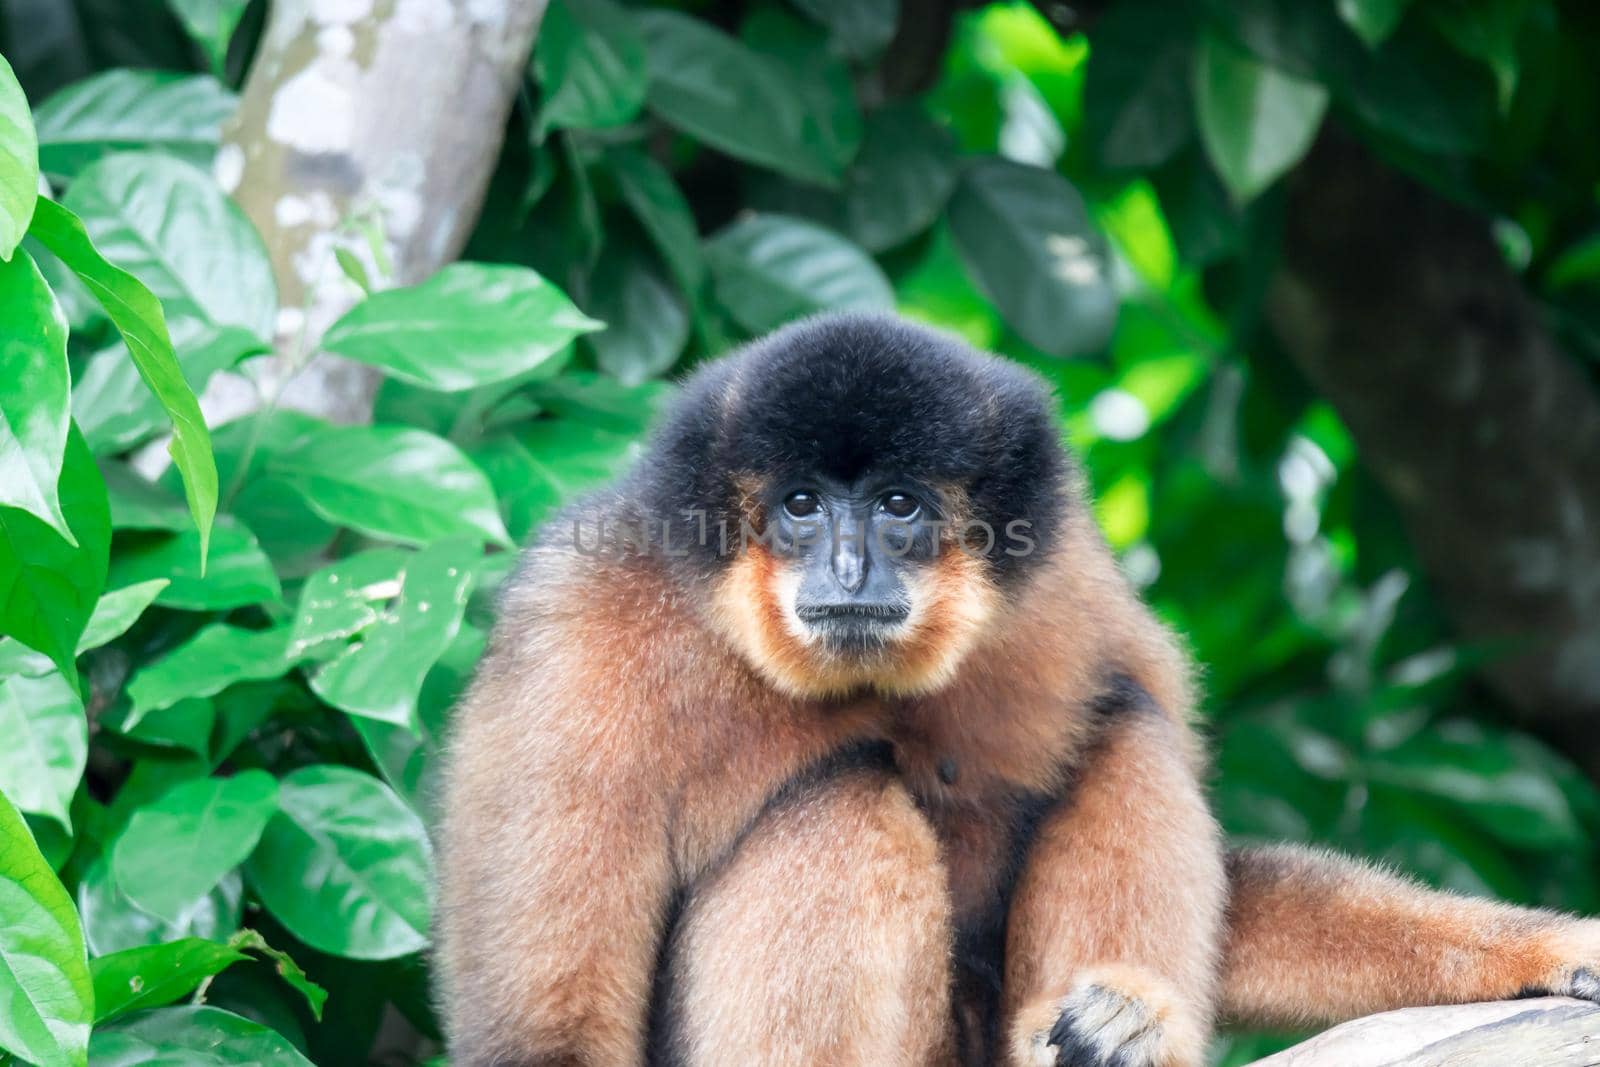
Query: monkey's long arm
(1316, 938)
(555, 877)
(1116, 921)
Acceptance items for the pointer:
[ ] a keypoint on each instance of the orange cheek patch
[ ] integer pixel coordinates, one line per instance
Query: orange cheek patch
(954, 601)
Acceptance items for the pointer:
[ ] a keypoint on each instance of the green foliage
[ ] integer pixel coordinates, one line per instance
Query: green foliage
(268, 636)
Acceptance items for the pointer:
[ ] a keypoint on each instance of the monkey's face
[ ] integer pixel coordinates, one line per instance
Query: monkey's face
(845, 585)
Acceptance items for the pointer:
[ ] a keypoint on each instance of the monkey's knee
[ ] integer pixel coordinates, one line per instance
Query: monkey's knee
(825, 939)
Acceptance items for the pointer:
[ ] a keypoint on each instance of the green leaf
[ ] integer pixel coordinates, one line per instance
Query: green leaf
(168, 222)
(119, 110)
(152, 975)
(345, 597)
(1256, 122)
(1136, 110)
(195, 1036)
(655, 200)
(392, 482)
(859, 29)
(46, 746)
(290, 971)
(238, 572)
(371, 859)
(137, 315)
(118, 610)
(602, 402)
(139, 505)
(19, 162)
(48, 588)
(1027, 240)
(186, 725)
(902, 178)
(647, 319)
(769, 270)
(469, 325)
(179, 847)
(211, 23)
(819, 80)
(539, 465)
(1373, 20)
(589, 60)
(731, 97)
(111, 922)
(115, 410)
(34, 391)
(44, 976)
(1486, 30)
(215, 658)
(381, 675)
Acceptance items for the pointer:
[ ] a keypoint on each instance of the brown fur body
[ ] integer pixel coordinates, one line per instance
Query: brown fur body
(677, 833)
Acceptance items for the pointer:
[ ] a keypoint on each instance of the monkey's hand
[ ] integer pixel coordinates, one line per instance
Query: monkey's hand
(1113, 1016)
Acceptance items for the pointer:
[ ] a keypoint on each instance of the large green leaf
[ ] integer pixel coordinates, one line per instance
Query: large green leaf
(1028, 242)
(236, 574)
(590, 63)
(392, 482)
(19, 162)
(1255, 120)
(48, 587)
(731, 97)
(215, 658)
(46, 746)
(647, 319)
(152, 975)
(194, 1035)
(180, 846)
(1136, 110)
(1373, 20)
(118, 110)
(111, 922)
(44, 976)
(137, 315)
(818, 79)
(345, 597)
(168, 222)
(381, 675)
(117, 610)
(769, 270)
(469, 325)
(34, 391)
(1488, 31)
(902, 178)
(115, 410)
(656, 201)
(345, 865)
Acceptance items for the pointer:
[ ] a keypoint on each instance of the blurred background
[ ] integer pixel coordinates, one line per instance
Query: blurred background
(1317, 284)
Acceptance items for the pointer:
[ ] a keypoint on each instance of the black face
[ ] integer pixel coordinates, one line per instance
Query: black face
(856, 544)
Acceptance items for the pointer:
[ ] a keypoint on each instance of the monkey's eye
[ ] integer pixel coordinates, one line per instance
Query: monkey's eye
(900, 505)
(801, 504)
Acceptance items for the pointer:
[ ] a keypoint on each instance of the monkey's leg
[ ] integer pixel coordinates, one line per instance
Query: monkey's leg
(1116, 921)
(825, 940)
(1315, 938)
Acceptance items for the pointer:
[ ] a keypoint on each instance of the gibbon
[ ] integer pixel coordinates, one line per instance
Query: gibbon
(832, 735)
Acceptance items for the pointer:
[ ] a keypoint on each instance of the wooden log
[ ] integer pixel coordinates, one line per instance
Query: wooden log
(1541, 1032)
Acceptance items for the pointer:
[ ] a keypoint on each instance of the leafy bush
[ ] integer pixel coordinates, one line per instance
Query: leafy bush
(223, 687)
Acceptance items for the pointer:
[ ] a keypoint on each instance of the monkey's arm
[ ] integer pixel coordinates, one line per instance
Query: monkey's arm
(555, 877)
(1116, 921)
(1316, 938)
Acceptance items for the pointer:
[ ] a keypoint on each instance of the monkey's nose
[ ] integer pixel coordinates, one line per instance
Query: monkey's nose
(849, 565)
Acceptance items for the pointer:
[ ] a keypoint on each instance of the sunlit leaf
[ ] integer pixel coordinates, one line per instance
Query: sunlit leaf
(152, 975)
(46, 744)
(1255, 121)
(237, 573)
(589, 59)
(34, 391)
(215, 658)
(211, 23)
(119, 110)
(111, 922)
(19, 162)
(117, 610)
(195, 1035)
(769, 270)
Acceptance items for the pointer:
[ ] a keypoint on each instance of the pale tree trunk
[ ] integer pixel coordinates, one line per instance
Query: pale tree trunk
(1547, 1032)
(363, 115)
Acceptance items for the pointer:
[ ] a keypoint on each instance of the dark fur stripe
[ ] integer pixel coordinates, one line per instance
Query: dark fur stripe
(664, 1047)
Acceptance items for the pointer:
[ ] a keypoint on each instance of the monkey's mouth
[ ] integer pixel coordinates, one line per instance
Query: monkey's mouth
(854, 629)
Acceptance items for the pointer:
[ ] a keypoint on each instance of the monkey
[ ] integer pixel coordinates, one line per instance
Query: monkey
(832, 734)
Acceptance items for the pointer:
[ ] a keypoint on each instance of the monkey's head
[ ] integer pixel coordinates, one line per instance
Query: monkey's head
(858, 496)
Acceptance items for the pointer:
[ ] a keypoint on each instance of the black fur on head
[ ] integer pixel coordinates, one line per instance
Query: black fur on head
(845, 394)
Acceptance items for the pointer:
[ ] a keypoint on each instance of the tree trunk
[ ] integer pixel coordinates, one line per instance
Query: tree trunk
(1404, 314)
(1548, 1032)
(357, 112)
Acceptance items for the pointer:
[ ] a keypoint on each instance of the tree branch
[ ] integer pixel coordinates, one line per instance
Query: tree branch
(380, 109)
(1402, 311)
(1549, 1031)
